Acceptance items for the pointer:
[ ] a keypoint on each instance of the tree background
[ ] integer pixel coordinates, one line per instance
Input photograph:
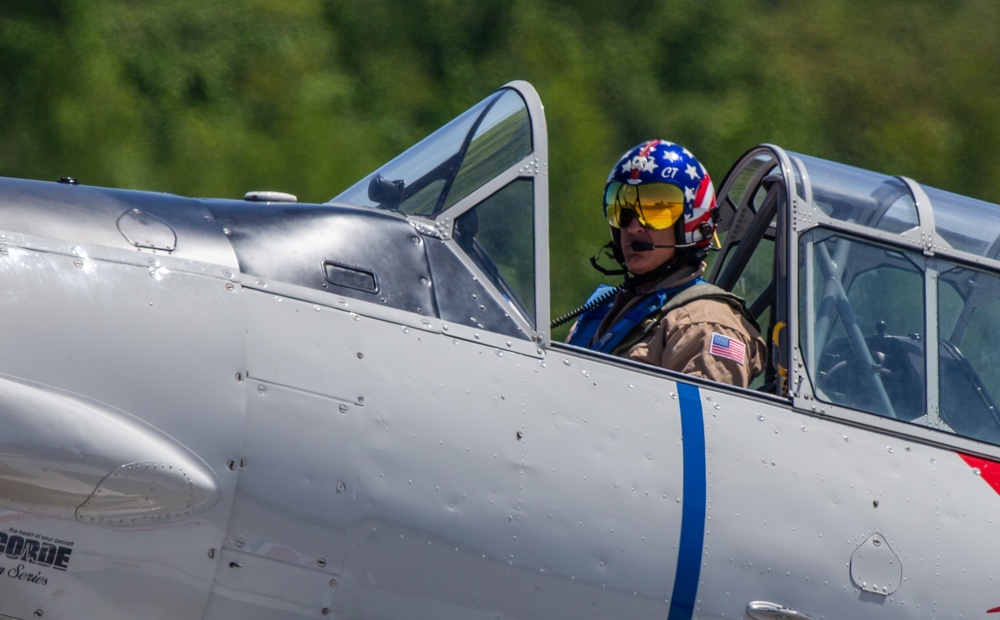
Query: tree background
(215, 99)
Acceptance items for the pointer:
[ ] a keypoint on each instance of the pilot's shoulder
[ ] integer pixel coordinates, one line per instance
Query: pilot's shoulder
(710, 309)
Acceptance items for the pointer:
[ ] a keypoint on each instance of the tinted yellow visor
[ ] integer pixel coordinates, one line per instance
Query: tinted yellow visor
(656, 205)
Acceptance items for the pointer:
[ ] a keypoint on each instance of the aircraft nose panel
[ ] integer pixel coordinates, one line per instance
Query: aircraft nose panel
(64, 457)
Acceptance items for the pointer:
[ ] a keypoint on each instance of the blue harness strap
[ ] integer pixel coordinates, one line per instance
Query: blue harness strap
(589, 322)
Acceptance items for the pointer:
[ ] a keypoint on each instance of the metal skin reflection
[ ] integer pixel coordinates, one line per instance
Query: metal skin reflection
(260, 408)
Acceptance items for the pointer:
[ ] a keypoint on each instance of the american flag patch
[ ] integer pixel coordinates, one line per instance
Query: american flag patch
(728, 348)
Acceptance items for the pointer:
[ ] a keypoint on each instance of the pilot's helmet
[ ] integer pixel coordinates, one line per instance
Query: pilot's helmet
(663, 185)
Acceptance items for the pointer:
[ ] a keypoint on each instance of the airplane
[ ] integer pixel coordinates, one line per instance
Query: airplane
(259, 408)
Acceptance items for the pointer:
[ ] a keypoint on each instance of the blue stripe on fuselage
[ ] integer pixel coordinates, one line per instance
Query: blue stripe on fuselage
(693, 512)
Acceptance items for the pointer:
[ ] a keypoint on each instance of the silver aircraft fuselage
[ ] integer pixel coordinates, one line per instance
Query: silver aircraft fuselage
(263, 409)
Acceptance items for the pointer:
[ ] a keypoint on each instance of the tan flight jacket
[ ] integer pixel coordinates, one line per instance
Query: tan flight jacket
(681, 340)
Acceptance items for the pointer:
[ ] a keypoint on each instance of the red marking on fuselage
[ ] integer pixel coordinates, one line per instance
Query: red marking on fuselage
(988, 471)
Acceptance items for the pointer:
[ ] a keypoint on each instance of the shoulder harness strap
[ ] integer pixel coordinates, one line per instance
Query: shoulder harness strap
(593, 312)
(701, 290)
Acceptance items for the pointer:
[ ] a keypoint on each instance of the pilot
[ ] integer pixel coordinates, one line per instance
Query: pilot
(660, 203)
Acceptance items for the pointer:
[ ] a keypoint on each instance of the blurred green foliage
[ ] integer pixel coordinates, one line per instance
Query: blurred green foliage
(214, 99)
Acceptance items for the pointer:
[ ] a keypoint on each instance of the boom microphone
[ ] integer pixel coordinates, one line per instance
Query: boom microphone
(646, 246)
(705, 229)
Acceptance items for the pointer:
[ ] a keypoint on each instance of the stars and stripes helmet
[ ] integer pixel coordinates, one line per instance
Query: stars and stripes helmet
(662, 162)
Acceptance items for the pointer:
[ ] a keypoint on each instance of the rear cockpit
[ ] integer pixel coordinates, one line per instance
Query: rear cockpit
(879, 294)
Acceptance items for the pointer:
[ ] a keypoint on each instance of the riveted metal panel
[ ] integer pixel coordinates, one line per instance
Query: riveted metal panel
(90, 215)
(292, 243)
(252, 586)
(298, 479)
(298, 475)
(305, 346)
(158, 343)
(487, 465)
(793, 496)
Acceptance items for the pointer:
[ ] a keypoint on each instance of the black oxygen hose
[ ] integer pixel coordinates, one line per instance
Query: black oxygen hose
(590, 305)
(593, 303)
